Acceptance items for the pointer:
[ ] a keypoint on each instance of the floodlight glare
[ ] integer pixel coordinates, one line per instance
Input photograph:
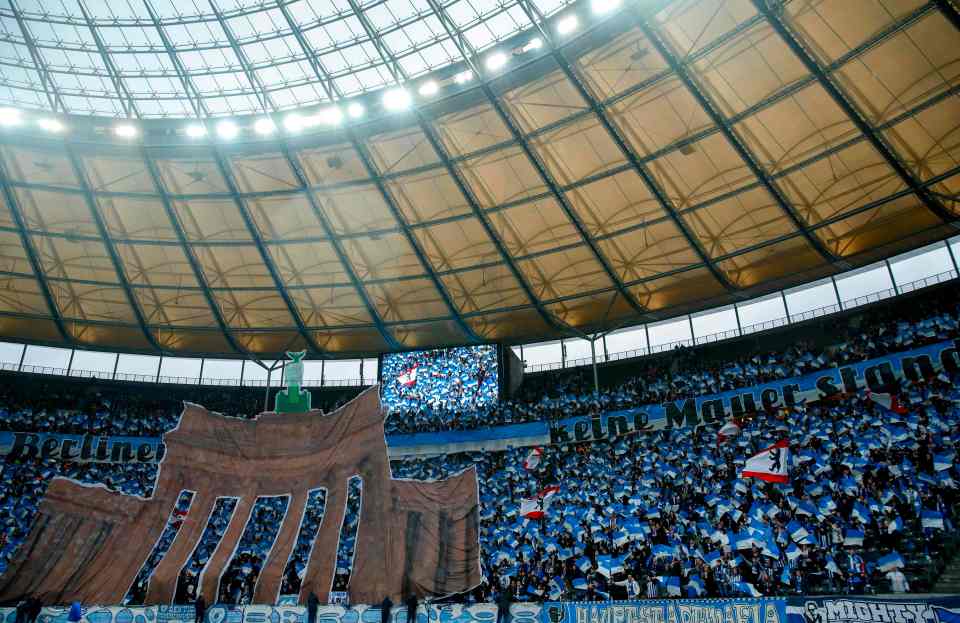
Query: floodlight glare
(604, 6)
(196, 130)
(264, 126)
(331, 116)
(496, 60)
(567, 25)
(397, 99)
(534, 44)
(227, 130)
(293, 122)
(429, 88)
(355, 110)
(10, 116)
(125, 130)
(50, 125)
(463, 77)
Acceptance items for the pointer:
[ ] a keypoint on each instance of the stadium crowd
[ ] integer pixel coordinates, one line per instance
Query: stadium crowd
(240, 577)
(209, 540)
(346, 547)
(306, 537)
(138, 591)
(685, 374)
(871, 490)
(871, 493)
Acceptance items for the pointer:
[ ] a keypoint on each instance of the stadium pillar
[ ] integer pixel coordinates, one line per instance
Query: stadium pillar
(23, 353)
(116, 364)
(786, 309)
(593, 361)
(893, 280)
(836, 291)
(736, 312)
(953, 258)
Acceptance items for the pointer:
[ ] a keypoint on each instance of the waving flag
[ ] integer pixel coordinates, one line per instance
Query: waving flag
(931, 519)
(609, 565)
(728, 431)
(536, 508)
(408, 378)
(746, 588)
(770, 464)
(796, 530)
(861, 513)
(533, 459)
(943, 461)
(696, 587)
(890, 562)
(895, 525)
(853, 538)
(890, 402)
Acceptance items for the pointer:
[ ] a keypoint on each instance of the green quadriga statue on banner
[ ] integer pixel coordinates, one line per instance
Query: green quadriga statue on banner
(293, 399)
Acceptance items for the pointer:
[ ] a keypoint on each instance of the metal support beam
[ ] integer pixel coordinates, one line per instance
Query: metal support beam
(537, 18)
(775, 19)
(53, 96)
(394, 67)
(129, 106)
(949, 11)
(193, 95)
(706, 103)
(265, 256)
(266, 102)
(337, 245)
(593, 361)
(469, 54)
(13, 203)
(188, 252)
(893, 280)
(400, 76)
(953, 258)
(108, 243)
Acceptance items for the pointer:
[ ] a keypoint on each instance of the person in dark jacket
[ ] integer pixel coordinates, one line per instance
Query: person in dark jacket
(412, 608)
(385, 607)
(76, 612)
(503, 604)
(200, 609)
(312, 604)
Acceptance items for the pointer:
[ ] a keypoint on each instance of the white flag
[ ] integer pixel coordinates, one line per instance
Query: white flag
(770, 464)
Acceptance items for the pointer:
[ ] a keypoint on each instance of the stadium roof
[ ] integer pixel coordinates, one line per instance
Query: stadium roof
(561, 169)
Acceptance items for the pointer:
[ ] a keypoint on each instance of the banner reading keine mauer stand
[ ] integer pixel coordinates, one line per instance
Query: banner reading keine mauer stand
(854, 609)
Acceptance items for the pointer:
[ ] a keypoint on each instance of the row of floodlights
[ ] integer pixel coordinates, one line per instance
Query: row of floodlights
(395, 99)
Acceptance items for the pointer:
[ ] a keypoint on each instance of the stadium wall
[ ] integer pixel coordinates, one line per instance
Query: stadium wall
(831, 609)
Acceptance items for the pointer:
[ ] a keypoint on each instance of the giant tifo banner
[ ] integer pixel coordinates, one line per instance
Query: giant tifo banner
(873, 374)
(91, 545)
(890, 609)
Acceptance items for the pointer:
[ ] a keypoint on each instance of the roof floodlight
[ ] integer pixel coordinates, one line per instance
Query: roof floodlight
(567, 25)
(227, 130)
(125, 130)
(604, 6)
(355, 110)
(51, 125)
(196, 130)
(264, 126)
(534, 44)
(429, 88)
(463, 77)
(10, 116)
(397, 99)
(496, 60)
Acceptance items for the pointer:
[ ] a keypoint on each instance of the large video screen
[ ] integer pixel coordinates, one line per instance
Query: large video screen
(459, 378)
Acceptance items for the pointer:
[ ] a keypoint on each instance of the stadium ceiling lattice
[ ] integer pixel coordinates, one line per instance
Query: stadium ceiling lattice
(667, 157)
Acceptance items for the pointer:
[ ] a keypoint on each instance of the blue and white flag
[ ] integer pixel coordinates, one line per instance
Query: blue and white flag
(931, 519)
(861, 513)
(943, 461)
(608, 566)
(696, 587)
(672, 583)
(796, 530)
(746, 588)
(853, 538)
(890, 562)
(895, 525)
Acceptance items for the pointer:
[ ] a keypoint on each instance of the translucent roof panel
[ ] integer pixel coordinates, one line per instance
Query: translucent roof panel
(666, 158)
(142, 57)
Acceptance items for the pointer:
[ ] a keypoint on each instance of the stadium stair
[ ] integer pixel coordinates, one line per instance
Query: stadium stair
(949, 580)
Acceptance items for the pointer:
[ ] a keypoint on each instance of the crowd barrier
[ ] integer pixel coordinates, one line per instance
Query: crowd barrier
(834, 609)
